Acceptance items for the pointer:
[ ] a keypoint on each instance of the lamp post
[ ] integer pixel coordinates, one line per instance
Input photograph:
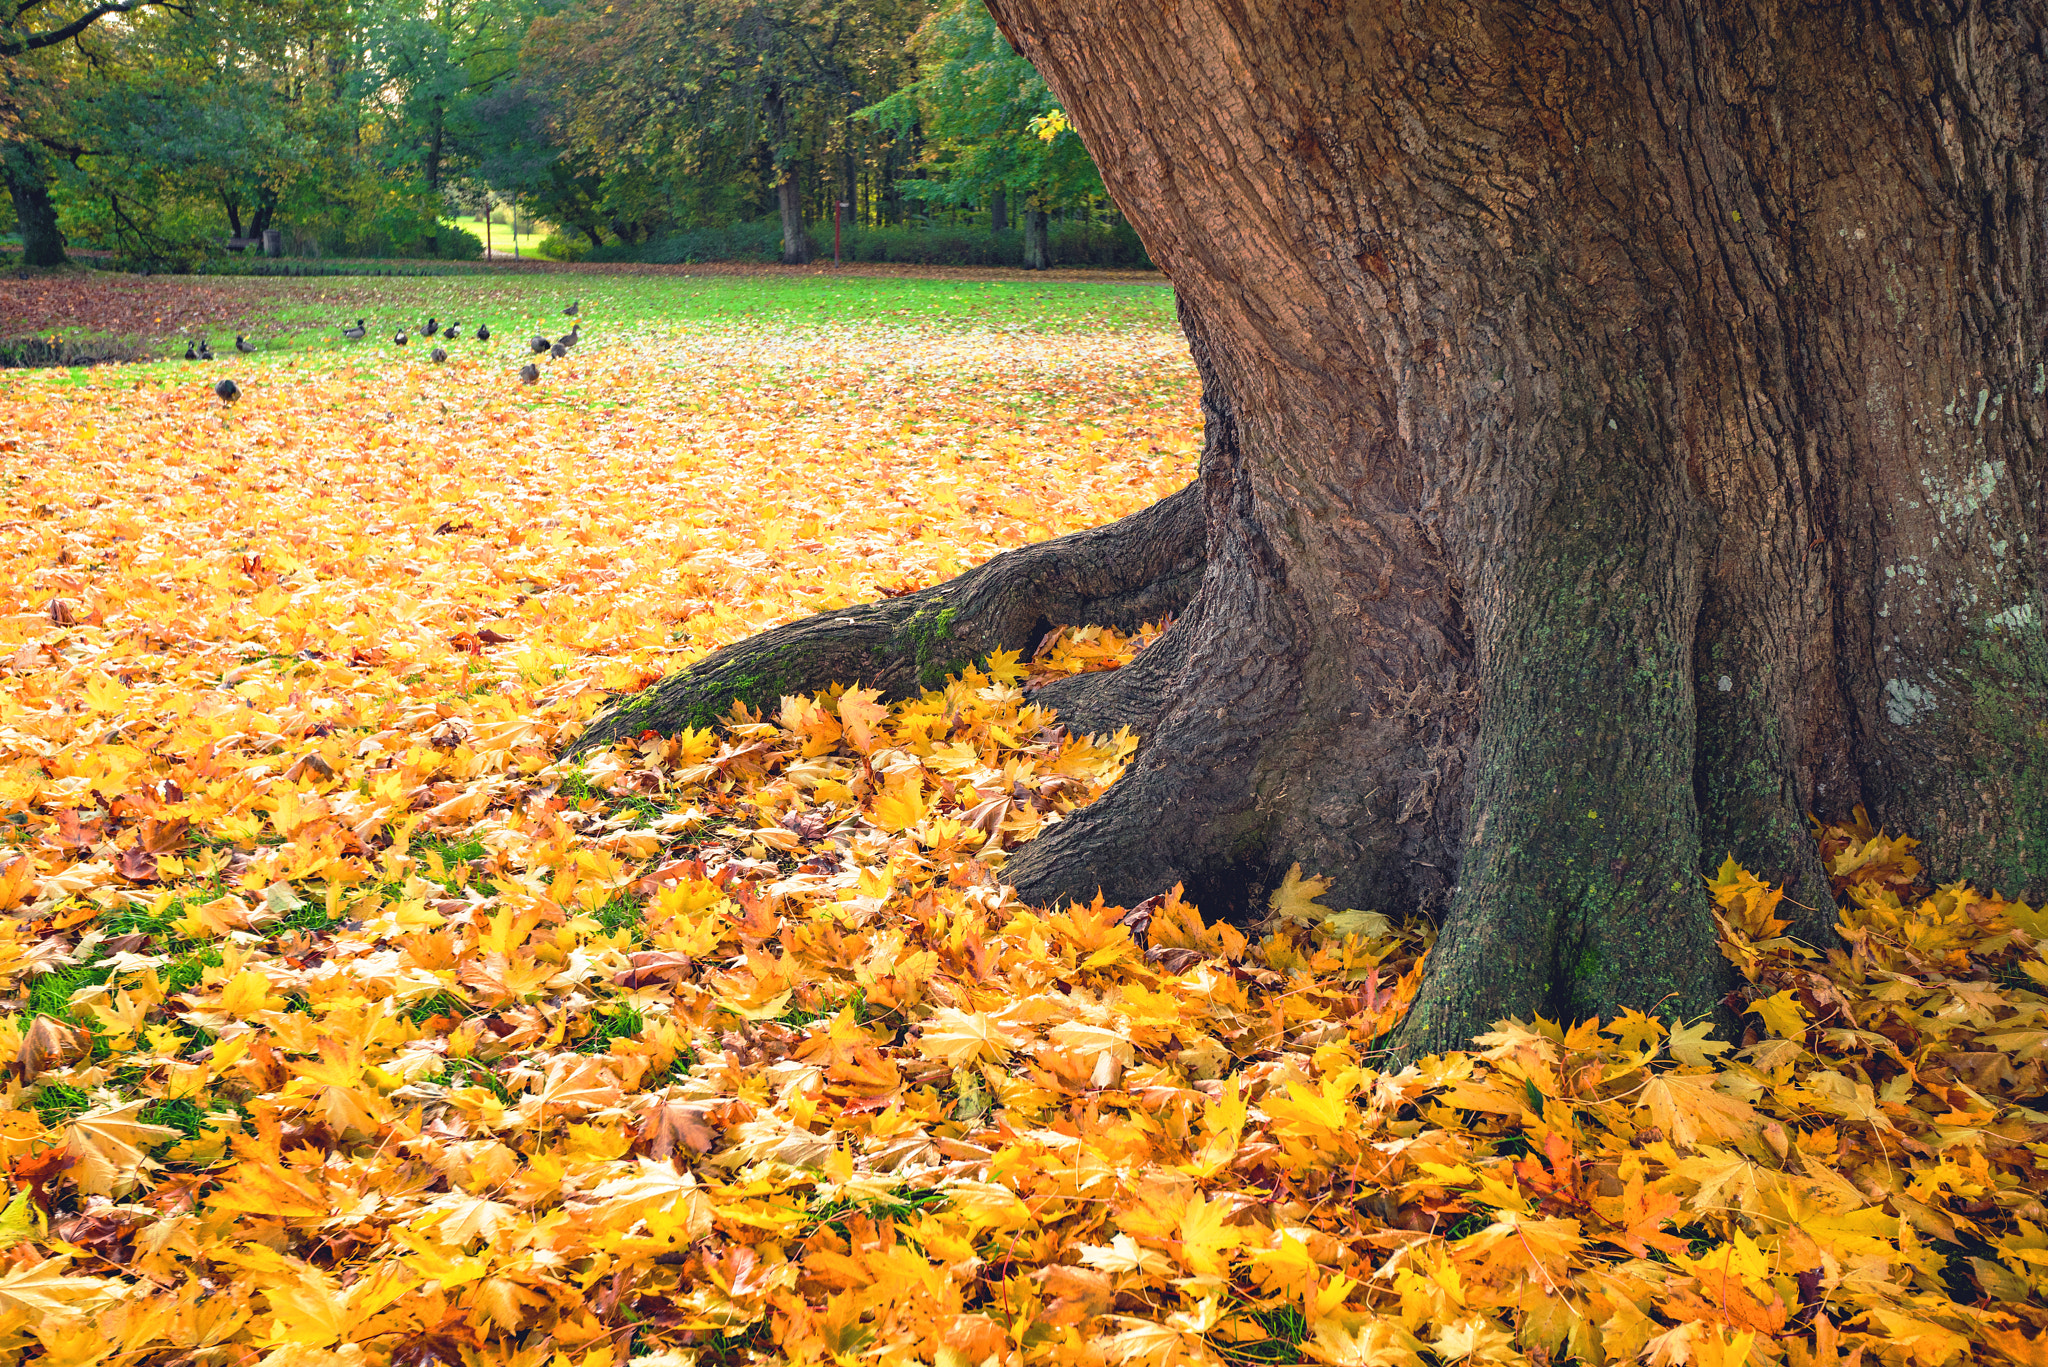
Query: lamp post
(838, 206)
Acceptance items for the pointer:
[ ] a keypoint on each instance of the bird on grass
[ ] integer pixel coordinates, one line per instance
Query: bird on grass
(433, 326)
(439, 355)
(529, 373)
(575, 307)
(243, 344)
(538, 344)
(227, 390)
(558, 350)
(190, 353)
(572, 336)
(205, 350)
(356, 333)
(450, 332)
(399, 337)
(483, 332)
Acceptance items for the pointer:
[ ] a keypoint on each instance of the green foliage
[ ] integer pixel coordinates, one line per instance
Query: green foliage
(977, 102)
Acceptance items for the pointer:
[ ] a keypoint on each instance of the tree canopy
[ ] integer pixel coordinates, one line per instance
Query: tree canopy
(363, 129)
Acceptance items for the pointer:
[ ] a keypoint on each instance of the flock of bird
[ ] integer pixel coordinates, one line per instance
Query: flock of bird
(555, 348)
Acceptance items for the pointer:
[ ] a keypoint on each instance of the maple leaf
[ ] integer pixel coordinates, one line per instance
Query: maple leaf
(49, 1288)
(106, 1145)
(1688, 1108)
(959, 1037)
(1295, 898)
(859, 712)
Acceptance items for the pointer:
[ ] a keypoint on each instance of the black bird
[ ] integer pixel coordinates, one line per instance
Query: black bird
(205, 350)
(433, 326)
(356, 333)
(227, 391)
(539, 344)
(573, 335)
(483, 332)
(558, 350)
(450, 331)
(574, 308)
(439, 355)
(399, 337)
(190, 354)
(529, 373)
(243, 345)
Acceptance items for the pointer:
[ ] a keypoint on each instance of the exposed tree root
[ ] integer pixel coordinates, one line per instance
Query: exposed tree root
(1138, 569)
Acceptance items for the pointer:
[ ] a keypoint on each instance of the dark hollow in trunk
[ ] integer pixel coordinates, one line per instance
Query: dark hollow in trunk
(27, 171)
(1624, 433)
(1037, 247)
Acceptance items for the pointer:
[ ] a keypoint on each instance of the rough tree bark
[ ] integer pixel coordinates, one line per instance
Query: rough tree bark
(1624, 437)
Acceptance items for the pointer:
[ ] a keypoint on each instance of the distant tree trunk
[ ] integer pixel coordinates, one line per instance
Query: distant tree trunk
(233, 206)
(789, 195)
(27, 171)
(266, 210)
(999, 212)
(433, 167)
(796, 242)
(1037, 250)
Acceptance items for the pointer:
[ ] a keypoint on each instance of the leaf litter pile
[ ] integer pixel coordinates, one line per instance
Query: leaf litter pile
(345, 1024)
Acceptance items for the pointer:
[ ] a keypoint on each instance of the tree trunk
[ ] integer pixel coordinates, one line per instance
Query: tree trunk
(999, 212)
(1624, 436)
(789, 196)
(27, 171)
(1037, 253)
(796, 241)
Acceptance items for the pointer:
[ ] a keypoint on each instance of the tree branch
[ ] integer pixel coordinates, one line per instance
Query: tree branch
(35, 42)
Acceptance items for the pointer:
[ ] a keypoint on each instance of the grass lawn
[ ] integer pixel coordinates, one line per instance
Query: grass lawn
(293, 315)
(501, 239)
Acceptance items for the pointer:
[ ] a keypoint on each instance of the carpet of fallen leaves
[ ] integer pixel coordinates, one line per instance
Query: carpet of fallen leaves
(345, 1025)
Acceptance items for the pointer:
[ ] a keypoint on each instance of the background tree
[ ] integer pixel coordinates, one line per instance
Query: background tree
(1624, 431)
(989, 126)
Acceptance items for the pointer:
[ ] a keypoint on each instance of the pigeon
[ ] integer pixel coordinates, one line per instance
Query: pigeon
(529, 373)
(356, 333)
(483, 332)
(399, 337)
(539, 344)
(190, 354)
(558, 350)
(433, 326)
(574, 308)
(227, 390)
(450, 331)
(439, 355)
(243, 344)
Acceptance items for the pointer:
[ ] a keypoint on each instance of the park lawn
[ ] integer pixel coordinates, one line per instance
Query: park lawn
(350, 1025)
(293, 315)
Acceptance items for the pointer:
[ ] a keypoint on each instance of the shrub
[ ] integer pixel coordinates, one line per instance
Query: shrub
(561, 247)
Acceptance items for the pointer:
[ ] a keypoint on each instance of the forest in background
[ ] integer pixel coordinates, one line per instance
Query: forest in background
(640, 130)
